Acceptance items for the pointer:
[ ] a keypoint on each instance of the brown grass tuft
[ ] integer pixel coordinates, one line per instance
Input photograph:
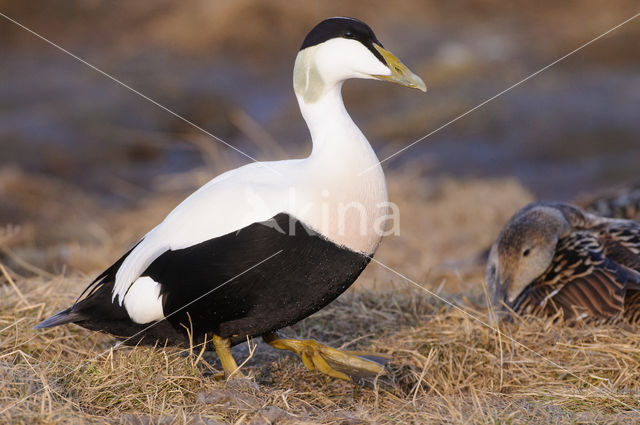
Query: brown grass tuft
(447, 366)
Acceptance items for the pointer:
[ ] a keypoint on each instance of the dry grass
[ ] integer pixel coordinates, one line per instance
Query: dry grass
(447, 367)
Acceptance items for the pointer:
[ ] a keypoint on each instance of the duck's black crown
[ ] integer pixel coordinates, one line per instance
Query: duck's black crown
(349, 28)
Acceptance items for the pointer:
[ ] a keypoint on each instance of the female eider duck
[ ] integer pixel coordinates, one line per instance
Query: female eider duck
(265, 245)
(554, 257)
(621, 202)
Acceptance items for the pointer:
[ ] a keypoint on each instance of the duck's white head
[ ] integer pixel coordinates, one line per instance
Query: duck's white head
(341, 48)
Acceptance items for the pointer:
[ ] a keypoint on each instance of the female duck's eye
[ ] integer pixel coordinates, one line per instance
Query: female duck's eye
(526, 252)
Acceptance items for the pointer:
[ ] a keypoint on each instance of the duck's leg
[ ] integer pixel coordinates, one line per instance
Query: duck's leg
(330, 361)
(223, 350)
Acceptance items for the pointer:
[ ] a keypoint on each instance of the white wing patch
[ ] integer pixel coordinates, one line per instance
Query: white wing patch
(143, 301)
(136, 262)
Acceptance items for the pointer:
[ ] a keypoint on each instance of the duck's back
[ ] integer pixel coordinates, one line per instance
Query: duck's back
(594, 274)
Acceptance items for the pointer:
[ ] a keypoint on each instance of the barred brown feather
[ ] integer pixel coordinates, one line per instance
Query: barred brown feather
(594, 271)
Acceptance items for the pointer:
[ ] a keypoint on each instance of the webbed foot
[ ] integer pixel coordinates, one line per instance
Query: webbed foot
(340, 364)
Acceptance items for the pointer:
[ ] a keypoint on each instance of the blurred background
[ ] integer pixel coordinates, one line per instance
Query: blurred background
(87, 166)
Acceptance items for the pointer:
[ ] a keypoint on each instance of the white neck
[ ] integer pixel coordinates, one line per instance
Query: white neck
(336, 138)
(340, 153)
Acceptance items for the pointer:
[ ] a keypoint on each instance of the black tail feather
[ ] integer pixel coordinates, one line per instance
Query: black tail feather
(96, 310)
(60, 318)
(108, 274)
(74, 313)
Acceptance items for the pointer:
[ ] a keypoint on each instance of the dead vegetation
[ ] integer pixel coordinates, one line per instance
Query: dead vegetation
(448, 365)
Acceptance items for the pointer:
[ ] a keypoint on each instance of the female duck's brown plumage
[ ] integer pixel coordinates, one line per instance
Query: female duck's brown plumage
(615, 203)
(554, 257)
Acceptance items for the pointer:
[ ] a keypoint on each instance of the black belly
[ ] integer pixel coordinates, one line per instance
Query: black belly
(300, 272)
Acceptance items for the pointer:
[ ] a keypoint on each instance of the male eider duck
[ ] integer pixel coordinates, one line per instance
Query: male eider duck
(265, 245)
(555, 257)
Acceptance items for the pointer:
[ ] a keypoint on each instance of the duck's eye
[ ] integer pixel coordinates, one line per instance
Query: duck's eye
(349, 34)
(526, 252)
(492, 270)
